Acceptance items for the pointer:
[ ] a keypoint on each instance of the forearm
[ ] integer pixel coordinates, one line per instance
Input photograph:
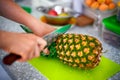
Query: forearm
(2, 36)
(10, 10)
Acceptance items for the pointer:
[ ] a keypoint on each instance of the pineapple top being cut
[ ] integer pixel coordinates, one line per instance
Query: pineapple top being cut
(77, 50)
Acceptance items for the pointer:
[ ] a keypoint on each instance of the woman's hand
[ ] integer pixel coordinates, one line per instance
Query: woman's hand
(28, 46)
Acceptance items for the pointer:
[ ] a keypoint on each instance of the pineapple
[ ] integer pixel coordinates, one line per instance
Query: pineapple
(77, 50)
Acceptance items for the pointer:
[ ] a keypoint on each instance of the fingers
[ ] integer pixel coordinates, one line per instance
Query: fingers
(46, 51)
(36, 48)
(37, 51)
(27, 56)
(41, 43)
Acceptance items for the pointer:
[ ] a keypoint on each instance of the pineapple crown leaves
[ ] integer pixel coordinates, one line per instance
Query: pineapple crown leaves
(52, 49)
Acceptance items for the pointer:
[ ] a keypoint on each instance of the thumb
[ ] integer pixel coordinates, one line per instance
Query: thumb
(41, 43)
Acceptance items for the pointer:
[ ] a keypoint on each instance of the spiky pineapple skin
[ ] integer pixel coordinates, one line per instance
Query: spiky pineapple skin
(78, 50)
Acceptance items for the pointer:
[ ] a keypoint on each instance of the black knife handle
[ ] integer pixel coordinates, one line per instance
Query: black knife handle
(11, 58)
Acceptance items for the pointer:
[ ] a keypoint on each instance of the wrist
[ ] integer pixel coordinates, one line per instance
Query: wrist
(36, 26)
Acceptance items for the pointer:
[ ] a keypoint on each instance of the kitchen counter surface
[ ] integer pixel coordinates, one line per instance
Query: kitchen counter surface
(24, 71)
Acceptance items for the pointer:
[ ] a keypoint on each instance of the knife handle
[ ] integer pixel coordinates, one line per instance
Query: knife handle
(11, 58)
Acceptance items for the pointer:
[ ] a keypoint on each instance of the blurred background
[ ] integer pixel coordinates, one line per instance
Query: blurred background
(103, 24)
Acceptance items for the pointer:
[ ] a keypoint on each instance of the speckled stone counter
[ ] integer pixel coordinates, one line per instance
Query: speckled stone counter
(24, 71)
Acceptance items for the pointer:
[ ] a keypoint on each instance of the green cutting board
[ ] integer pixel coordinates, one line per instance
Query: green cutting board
(53, 69)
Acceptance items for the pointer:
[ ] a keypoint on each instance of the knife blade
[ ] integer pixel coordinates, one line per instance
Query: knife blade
(49, 38)
(11, 58)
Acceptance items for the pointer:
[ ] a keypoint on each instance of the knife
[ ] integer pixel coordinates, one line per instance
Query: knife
(11, 58)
